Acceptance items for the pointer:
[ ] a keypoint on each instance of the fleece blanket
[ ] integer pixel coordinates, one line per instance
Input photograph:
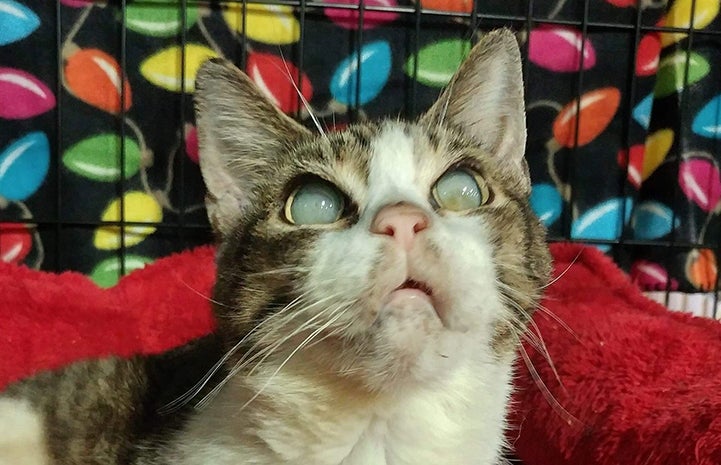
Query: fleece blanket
(636, 383)
(630, 382)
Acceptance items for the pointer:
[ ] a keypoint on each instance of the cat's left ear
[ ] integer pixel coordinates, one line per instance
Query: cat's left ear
(484, 100)
(240, 134)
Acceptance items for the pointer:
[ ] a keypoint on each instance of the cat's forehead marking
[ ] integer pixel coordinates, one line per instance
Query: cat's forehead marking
(393, 172)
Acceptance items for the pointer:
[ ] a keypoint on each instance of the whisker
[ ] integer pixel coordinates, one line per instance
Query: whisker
(528, 336)
(252, 354)
(241, 363)
(547, 356)
(184, 398)
(208, 298)
(290, 269)
(535, 339)
(552, 401)
(449, 92)
(546, 311)
(287, 359)
(336, 331)
(307, 106)
(539, 306)
(305, 327)
(563, 273)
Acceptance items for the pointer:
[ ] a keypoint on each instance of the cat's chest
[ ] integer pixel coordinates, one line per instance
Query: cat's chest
(418, 435)
(425, 428)
(461, 423)
(411, 434)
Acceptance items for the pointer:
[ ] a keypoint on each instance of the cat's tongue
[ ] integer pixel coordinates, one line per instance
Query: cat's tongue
(408, 293)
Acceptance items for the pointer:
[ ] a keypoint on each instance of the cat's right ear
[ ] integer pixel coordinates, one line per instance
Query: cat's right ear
(484, 101)
(240, 132)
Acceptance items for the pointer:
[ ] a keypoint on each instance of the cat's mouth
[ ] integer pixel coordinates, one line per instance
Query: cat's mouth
(413, 284)
(414, 294)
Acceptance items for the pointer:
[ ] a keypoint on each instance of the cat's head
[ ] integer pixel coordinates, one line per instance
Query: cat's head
(386, 252)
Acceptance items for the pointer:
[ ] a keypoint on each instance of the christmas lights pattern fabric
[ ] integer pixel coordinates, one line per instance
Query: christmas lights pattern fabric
(624, 126)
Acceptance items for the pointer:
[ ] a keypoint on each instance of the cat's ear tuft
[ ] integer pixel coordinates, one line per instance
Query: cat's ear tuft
(484, 100)
(240, 132)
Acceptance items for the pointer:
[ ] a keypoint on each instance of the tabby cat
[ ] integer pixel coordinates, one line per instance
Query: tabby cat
(372, 288)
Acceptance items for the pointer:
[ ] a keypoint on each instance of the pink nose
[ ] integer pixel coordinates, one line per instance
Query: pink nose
(402, 221)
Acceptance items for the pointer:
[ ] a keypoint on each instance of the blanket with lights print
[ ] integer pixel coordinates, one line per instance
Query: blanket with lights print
(95, 113)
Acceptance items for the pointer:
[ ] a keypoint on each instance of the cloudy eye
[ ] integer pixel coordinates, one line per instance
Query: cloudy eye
(459, 190)
(315, 202)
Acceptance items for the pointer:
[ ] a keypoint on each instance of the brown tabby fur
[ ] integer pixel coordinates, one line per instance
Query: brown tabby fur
(105, 412)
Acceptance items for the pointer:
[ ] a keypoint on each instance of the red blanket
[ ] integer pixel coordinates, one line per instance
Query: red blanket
(639, 384)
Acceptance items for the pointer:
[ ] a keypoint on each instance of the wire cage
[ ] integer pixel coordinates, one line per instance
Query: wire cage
(98, 161)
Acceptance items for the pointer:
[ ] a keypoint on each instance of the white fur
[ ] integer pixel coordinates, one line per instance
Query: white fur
(419, 391)
(458, 422)
(21, 434)
(393, 172)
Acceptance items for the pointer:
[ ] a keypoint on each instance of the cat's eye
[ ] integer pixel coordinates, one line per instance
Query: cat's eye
(314, 202)
(460, 190)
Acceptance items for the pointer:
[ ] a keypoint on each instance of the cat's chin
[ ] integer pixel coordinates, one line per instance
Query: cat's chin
(412, 300)
(407, 325)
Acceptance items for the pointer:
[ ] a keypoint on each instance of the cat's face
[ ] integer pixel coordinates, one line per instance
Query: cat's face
(387, 252)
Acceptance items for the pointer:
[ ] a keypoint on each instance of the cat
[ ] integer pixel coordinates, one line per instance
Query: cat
(372, 288)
